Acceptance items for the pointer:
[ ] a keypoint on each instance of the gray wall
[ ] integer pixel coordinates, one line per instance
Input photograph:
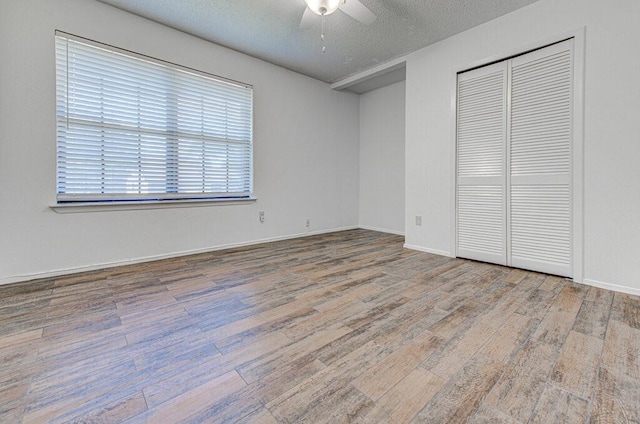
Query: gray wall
(302, 169)
(610, 181)
(382, 120)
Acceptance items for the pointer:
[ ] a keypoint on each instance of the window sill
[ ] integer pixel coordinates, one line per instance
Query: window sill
(142, 205)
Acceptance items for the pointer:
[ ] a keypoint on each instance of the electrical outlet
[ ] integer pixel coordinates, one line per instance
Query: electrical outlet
(308, 222)
(261, 216)
(418, 220)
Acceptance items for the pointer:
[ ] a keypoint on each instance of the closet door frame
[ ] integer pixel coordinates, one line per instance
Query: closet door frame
(577, 143)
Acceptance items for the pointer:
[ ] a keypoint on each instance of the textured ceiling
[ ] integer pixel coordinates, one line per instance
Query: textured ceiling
(269, 29)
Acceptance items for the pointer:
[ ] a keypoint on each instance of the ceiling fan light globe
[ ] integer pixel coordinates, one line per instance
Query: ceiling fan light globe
(323, 7)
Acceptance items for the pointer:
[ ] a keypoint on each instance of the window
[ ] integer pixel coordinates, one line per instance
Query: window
(133, 128)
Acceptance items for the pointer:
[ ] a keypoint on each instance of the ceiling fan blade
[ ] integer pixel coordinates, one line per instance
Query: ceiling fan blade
(307, 19)
(358, 11)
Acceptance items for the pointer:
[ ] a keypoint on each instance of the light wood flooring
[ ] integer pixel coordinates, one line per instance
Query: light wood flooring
(344, 327)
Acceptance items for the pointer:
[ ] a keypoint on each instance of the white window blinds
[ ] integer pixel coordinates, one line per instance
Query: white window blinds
(134, 128)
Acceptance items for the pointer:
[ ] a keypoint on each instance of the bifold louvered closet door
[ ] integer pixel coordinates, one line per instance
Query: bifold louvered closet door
(514, 134)
(482, 118)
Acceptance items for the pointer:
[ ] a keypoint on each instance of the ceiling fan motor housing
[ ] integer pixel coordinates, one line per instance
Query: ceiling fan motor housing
(323, 7)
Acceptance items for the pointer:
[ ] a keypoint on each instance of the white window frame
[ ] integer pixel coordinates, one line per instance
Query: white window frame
(204, 154)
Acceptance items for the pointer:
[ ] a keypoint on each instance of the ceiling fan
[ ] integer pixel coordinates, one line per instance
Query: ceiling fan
(353, 8)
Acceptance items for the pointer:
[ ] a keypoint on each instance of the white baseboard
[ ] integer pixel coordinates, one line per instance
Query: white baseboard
(382, 230)
(427, 250)
(586, 281)
(67, 271)
(613, 287)
(76, 270)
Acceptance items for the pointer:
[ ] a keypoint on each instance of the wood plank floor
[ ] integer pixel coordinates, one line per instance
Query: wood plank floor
(344, 327)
